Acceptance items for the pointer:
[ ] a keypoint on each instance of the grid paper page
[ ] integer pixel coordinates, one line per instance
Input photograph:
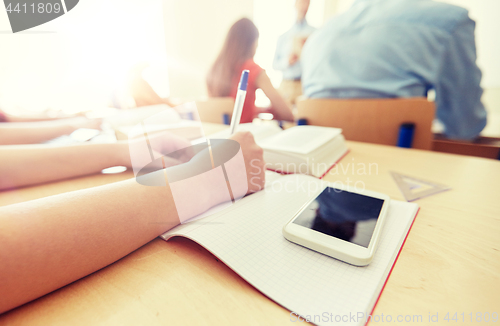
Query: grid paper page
(248, 238)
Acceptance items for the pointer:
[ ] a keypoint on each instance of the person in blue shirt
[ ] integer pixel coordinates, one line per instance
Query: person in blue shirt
(289, 46)
(400, 48)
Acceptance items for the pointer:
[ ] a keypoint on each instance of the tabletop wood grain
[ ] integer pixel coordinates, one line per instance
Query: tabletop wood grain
(450, 262)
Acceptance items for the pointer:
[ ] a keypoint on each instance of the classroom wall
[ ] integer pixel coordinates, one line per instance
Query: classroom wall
(70, 64)
(194, 32)
(273, 18)
(78, 60)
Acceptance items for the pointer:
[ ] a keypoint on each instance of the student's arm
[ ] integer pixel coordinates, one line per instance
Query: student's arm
(458, 90)
(280, 108)
(282, 60)
(5, 117)
(50, 242)
(24, 165)
(33, 118)
(17, 133)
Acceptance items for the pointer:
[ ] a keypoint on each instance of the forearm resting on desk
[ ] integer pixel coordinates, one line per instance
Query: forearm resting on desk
(15, 133)
(50, 242)
(23, 165)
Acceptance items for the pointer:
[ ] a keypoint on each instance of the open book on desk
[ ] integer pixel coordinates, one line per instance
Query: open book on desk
(247, 237)
(309, 150)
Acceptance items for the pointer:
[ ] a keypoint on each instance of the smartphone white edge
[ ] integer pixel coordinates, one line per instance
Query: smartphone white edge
(343, 250)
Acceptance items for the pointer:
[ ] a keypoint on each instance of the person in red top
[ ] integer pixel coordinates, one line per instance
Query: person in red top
(237, 55)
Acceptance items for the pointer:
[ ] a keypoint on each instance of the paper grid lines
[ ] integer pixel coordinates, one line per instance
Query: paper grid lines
(248, 238)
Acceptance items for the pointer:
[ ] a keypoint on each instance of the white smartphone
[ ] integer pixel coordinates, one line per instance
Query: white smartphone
(341, 223)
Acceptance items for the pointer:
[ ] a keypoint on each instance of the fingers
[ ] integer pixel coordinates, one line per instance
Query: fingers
(175, 150)
(245, 138)
(170, 161)
(167, 143)
(254, 160)
(92, 123)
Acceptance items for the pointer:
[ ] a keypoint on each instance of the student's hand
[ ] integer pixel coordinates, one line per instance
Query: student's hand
(172, 147)
(253, 156)
(83, 122)
(162, 144)
(292, 59)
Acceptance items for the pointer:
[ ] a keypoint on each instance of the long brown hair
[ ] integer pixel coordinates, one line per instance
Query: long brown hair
(237, 48)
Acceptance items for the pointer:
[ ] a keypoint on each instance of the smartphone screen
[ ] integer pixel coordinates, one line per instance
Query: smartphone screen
(342, 214)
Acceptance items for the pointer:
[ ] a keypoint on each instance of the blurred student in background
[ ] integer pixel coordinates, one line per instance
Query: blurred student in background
(236, 55)
(288, 51)
(400, 48)
(142, 92)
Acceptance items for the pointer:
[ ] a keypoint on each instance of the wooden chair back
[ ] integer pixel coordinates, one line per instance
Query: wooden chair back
(214, 108)
(372, 120)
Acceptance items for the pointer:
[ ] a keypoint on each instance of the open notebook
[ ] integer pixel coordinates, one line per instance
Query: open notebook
(248, 238)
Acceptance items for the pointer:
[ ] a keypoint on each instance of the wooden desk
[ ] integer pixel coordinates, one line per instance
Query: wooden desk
(450, 262)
